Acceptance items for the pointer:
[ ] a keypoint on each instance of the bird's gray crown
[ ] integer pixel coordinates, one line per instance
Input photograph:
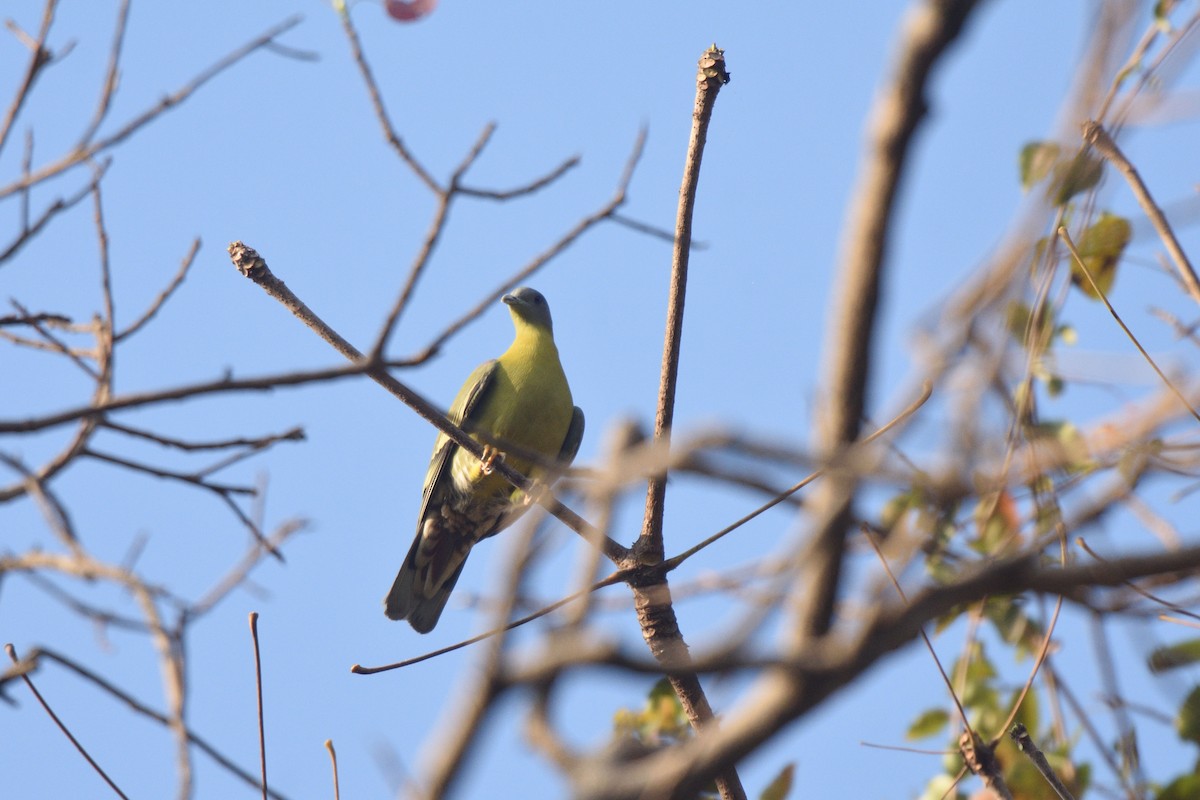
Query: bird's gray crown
(530, 304)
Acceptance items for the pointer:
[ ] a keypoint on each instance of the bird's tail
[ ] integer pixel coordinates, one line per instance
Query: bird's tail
(407, 599)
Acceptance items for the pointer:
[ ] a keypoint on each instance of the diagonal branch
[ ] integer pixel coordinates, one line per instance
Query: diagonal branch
(38, 59)
(253, 266)
(1095, 135)
(930, 28)
(81, 156)
(805, 679)
(651, 593)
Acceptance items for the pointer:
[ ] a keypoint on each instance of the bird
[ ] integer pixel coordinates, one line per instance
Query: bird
(520, 400)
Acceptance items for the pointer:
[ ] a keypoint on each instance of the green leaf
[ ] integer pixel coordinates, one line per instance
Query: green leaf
(1027, 714)
(1011, 622)
(1036, 161)
(1100, 248)
(895, 509)
(1175, 655)
(930, 723)
(996, 522)
(1074, 177)
(661, 688)
(779, 788)
(1185, 787)
(1187, 721)
(979, 666)
(1018, 317)
(1161, 9)
(661, 720)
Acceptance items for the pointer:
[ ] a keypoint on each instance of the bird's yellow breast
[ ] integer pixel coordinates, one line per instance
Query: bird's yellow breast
(529, 405)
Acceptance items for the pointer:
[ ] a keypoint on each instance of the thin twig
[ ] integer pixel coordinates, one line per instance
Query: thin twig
(614, 578)
(389, 130)
(584, 225)
(436, 227)
(1066, 237)
(653, 230)
(1153, 598)
(253, 266)
(1025, 744)
(76, 157)
(262, 736)
(12, 653)
(526, 189)
(184, 392)
(138, 707)
(337, 792)
(56, 345)
(712, 76)
(1095, 135)
(238, 574)
(110, 78)
(53, 511)
(906, 413)
(30, 229)
(164, 295)
(256, 443)
(887, 568)
(38, 58)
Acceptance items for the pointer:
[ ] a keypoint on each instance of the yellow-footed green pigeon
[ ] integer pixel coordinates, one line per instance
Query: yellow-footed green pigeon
(521, 401)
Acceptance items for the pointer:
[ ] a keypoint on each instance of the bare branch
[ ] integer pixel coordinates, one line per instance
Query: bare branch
(80, 156)
(1079, 262)
(164, 295)
(12, 653)
(526, 189)
(389, 130)
(139, 707)
(651, 592)
(262, 736)
(253, 266)
(30, 229)
(1025, 745)
(605, 212)
(1095, 135)
(110, 78)
(930, 27)
(39, 58)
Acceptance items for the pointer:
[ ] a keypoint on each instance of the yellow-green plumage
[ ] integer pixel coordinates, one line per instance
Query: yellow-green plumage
(523, 402)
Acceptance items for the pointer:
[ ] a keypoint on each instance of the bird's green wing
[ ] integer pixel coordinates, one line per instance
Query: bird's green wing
(407, 598)
(464, 409)
(570, 445)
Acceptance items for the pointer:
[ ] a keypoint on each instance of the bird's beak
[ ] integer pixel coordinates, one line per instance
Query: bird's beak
(509, 299)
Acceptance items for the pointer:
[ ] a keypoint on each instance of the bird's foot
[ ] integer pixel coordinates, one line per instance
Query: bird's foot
(536, 492)
(491, 456)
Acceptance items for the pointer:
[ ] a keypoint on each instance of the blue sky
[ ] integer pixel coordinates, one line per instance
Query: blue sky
(287, 156)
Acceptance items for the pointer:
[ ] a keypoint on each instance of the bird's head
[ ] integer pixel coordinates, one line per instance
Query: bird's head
(529, 307)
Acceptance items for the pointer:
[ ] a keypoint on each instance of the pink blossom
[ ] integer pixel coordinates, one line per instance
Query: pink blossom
(408, 11)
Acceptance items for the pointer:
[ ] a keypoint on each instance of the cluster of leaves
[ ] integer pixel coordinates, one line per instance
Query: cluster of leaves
(988, 705)
(994, 529)
(1185, 653)
(661, 723)
(1100, 246)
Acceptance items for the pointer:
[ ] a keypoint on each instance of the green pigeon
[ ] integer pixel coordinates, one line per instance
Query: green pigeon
(520, 399)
